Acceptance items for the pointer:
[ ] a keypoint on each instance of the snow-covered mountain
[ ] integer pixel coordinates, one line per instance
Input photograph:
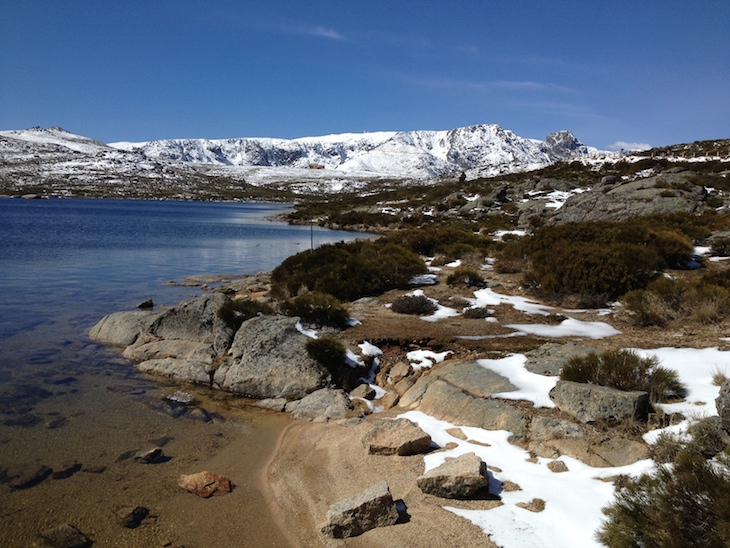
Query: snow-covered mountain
(481, 149)
(54, 161)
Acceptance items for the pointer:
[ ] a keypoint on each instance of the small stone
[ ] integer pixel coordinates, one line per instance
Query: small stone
(199, 415)
(146, 305)
(183, 398)
(57, 422)
(206, 484)
(364, 391)
(275, 404)
(456, 433)
(66, 470)
(398, 372)
(151, 456)
(131, 516)
(94, 469)
(66, 536)
(557, 466)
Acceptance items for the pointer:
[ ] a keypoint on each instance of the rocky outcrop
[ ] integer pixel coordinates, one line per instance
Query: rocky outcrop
(613, 201)
(460, 393)
(458, 478)
(396, 437)
(268, 359)
(590, 402)
(265, 358)
(370, 509)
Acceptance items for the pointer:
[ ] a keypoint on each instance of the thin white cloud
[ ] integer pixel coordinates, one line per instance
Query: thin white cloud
(624, 145)
(324, 33)
(511, 85)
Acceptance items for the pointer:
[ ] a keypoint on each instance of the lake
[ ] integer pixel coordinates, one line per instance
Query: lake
(80, 409)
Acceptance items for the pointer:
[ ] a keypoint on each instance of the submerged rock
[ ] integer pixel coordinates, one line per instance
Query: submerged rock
(131, 517)
(206, 484)
(28, 475)
(65, 536)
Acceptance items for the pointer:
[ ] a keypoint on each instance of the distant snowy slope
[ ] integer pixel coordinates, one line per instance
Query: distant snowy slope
(55, 137)
(479, 149)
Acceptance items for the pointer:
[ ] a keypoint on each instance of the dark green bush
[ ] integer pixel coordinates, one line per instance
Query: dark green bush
(237, 311)
(319, 308)
(465, 276)
(625, 370)
(708, 437)
(452, 241)
(687, 505)
(419, 305)
(348, 270)
(595, 261)
(332, 354)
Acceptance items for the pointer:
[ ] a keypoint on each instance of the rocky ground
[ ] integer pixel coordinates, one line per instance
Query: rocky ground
(322, 458)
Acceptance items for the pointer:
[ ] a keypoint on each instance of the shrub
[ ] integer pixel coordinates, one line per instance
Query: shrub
(319, 308)
(668, 299)
(419, 305)
(332, 354)
(688, 505)
(665, 449)
(348, 270)
(465, 276)
(625, 370)
(477, 312)
(708, 437)
(595, 261)
(452, 241)
(235, 312)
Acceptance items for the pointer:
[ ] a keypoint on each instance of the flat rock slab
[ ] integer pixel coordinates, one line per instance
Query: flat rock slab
(206, 484)
(321, 405)
(457, 478)
(396, 437)
(370, 509)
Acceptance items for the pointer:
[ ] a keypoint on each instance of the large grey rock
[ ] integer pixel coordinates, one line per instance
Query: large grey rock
(546, 428)
(195, 320)
(122, 328)
(549, 358)
(321, 405)
(664, 193)
(722, 402)
(396, 437)
(457, 478)
(268, 359)
(370, 509)
(459, 393)
(590, 402)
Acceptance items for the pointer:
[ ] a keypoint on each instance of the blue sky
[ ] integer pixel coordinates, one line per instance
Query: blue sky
(638, 72)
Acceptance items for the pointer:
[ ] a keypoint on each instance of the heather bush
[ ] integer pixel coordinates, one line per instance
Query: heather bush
(477, 312)
(594, 261)
(348, 270)
(332, 354)
(465, 276)
(721, 247)
(320, 308)
(235, 312)
(667, 299)
(687, 504)
(451, 241)
(418, 305)
(708, 437)
(625, 370)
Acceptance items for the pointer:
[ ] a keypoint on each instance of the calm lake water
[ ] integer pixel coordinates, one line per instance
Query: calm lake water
(64, 264)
